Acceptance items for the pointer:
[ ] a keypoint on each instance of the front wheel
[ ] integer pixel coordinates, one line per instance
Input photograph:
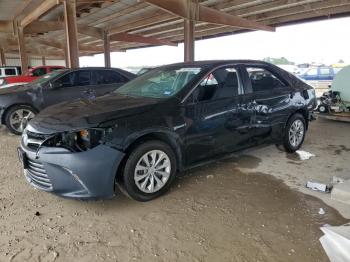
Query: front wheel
(294, 133)
(17, 117)
(149, 170)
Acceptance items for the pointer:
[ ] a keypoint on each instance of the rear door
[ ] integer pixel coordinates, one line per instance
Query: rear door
(270, 101)
(71, 86)
(105, 81)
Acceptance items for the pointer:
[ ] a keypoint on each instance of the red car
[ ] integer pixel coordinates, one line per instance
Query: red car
(33, 73)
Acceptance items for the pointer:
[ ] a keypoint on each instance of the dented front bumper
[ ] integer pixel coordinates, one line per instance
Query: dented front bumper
(89, 174)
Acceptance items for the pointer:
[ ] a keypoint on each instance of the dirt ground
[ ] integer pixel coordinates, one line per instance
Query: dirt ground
(232, 210)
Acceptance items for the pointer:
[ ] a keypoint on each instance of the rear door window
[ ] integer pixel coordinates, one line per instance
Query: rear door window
(325, 71)
(106, 77)
(82, 78)
(264, 80)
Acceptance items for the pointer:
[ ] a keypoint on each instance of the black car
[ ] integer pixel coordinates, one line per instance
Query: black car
(20, 103)
(167, 120)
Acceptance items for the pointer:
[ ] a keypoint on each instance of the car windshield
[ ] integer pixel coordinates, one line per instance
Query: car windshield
(47, 77)
(160, 83)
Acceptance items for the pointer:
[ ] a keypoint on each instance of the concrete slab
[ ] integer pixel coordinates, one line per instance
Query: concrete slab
(341, 192)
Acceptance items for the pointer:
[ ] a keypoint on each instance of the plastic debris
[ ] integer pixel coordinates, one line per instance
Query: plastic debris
(303, 155)
(336, 242)
(321, 211)
(317, 186)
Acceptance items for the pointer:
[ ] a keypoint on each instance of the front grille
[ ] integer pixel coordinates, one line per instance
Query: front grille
(35, 140)
(37, 136)
(37, 174)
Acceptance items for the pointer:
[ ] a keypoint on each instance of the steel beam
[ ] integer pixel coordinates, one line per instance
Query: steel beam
(69, 7)
(134, 38)
(107, 49)
(193, 10)
(2, 57)
(22, 50)
(39, 11)
(189, 40)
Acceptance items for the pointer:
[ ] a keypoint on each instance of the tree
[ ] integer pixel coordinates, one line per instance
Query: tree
(278, 61)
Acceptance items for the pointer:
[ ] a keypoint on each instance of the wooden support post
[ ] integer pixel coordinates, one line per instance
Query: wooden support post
(2, 57)
(43, 60)
(107, 49)
(66, 56)
(71, 33)
(189, 40)
(22, 50)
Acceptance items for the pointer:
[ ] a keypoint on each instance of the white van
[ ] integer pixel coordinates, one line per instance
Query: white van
(9, 71)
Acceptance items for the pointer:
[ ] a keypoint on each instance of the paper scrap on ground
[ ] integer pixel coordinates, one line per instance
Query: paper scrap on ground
(316, 186)
(336, 242)
(304, 155)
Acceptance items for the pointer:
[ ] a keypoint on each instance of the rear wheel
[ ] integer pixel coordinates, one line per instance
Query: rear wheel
(17, 117)
(294, 133)
(149, 171)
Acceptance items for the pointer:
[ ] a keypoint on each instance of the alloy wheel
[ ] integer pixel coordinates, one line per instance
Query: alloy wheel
(152, 171)
(296, 133)
(20, 118)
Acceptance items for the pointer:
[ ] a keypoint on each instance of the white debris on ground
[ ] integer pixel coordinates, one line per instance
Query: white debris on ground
(304, 155)
(336, 242)
(321, 211)
(317, 186)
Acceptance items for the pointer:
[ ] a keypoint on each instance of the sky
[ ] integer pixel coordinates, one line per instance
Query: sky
(325, 41)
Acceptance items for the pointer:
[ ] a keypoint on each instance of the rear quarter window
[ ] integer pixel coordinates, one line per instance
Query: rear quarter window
(264, 80)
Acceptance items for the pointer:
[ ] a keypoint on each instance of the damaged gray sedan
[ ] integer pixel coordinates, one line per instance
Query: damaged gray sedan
(167, 120)
(20, 103)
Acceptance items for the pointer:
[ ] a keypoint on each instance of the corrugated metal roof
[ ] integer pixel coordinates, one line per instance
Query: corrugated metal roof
(135, 16)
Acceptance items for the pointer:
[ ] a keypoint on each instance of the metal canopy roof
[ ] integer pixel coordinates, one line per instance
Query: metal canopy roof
(145, 22)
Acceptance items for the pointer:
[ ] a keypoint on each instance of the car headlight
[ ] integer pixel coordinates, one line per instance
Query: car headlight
(79, 141)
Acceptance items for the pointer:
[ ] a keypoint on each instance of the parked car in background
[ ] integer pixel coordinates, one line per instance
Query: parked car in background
(167, 120)
(33, 73)
(320, 77)
(19, 104)
(324, 73)
(9, 71)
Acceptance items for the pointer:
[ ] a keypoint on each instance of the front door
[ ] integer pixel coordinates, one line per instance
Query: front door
(213, 113)
(71, 86)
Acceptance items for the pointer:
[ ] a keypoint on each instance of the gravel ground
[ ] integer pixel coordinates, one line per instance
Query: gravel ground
(238, 209)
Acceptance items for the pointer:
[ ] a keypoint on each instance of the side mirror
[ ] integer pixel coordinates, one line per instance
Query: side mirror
(31, 74)
(55, 85)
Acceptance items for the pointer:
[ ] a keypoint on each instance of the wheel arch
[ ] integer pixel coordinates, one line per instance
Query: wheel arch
(304, 112)
(165, 136)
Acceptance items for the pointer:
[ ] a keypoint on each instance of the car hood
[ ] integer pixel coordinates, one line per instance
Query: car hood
(15, 89)
(79, 114)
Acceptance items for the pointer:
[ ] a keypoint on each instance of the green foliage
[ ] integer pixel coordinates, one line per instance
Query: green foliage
(278, 61)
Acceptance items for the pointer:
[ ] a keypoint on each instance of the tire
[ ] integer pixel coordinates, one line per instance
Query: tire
(322, 109)
(142, 190)
(17, 117)
(293, 134)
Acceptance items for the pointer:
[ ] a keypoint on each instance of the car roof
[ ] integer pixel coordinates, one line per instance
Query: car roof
(221, 62)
